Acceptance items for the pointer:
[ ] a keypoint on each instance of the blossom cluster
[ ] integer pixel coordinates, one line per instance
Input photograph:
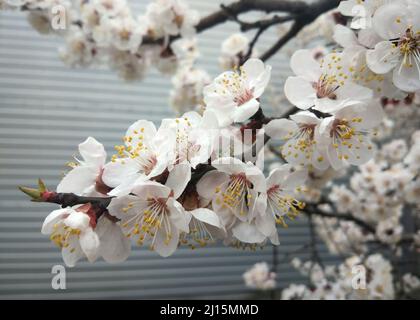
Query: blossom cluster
(100, 32)
(260, 277)
(186, 182)
(338, 282)
(378, 193)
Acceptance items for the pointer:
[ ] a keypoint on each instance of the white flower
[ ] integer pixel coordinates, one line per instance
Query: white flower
(344, 135)
(300, 135)
(412, 191)
(282, 187)
(398, 25)
(354, 55)
(187, 92)
(325, 87)
(260, 277)
(233, 96)
(129, 66)
(344, 200)
(72, 231)
(233, 49)
(361, 11)
(171, 17)
(389, 230)
(143, 156)
(194, 135)
(233, 189)
(85, 178)
(294, 292)
(111, 8)
(152, 213)
(205, 227)
(79, 51)
(126, 34)
(395, 150)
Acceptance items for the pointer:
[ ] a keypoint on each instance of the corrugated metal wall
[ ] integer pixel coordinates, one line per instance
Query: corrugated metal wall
(46, 109)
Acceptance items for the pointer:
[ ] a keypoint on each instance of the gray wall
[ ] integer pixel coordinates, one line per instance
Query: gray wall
(46, 109)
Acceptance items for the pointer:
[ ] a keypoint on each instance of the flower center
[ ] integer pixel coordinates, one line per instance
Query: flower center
(237, 194)
(326, 87)
(62, 235)
(146, 223)
(243, 97)
(409, 46)
(282, 205)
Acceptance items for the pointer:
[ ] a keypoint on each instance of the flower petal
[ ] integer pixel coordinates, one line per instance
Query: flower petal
(208, 183)
(280, 128)
(383, 58)
(53, 218)
(304, 65)
(89, 242)
(299, 92)
(78, 180)
(208, 216)
(247, 233)
(92, 152)
(178, 179)
(114, 245)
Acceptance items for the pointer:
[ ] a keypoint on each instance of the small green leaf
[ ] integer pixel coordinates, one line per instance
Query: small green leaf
(41, 186)
(33, 193)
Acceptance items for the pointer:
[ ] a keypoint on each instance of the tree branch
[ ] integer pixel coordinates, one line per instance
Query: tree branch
(300, 11)
(310, 211)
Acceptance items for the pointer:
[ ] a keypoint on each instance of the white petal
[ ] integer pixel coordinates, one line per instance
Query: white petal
(247, 233)
(207, 184)
(115, 208)
(92, 152)
(229, 165)
(208, 216)
(255, 175)
(278, 175)
(126, 186)
(280, 128)
(53, 218)
(368, 38)
(304, 65)
(299, 92)
(353, 91)
(78, 180)
(73, 253)
(383, 58)
(385, 20)
(141, 128)
(246, 111)
(151, 189)
(114, 245)
(119, 171)
(407, 78)
(177, 215)
(296, 179)
(266, 224)
(163, 248)
(89, 242)
(305, 117)
(178, 179)
(344, 36)
(77, 220)
(253, 68)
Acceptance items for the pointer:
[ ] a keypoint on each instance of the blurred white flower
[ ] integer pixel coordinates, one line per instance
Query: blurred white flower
(260, 277)
(233, 96)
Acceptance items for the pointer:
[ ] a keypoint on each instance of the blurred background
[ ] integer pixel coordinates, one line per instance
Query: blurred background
(46, 110)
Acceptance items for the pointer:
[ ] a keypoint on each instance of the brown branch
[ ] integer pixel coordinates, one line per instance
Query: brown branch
(298, 10)
(311, 211)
